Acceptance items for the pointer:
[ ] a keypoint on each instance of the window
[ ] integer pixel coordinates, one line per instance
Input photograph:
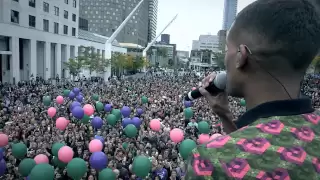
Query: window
(73, 31)
(74, 17)
(32, 21)
(46, 25)
(56, 11)
(32, 3)
(66, 1)
(65, 30)
(65, 14)
(14, 16)
(56, 28)
(45, 7)
(74, 3)
(16, 0)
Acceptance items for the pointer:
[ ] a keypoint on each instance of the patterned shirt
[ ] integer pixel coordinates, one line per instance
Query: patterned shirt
(275, 147)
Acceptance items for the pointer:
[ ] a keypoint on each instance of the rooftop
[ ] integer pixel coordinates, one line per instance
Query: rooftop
(95, 37)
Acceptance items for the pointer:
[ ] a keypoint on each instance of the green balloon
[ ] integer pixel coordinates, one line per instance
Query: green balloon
(203, 127)
(85, 119)
(107, 173)
(188, 113)
(76, 168)
(130, 130)
(58, 163)
(46, 100)
(55, 148)
(26, 166)
(125, 145)
(141, 166)
(144, 99)
(66, 92)
(186, 148)
(242, 102)
(112, 119)
(42, 171)
(19, 150)
(99, 106)
(117, 113)
(95, 97)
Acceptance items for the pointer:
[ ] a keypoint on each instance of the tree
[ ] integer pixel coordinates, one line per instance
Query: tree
(90, 58)
(74, 65)
(219, 59)
(118, 63)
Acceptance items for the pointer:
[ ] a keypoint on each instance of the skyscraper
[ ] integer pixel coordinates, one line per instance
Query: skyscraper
(229, 13)
(104, 17)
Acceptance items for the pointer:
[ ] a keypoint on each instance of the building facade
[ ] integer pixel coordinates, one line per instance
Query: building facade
(165, 38)
(104, 17)
(206, 42)
(201, 60)
(222, 34)
(229, 13)
(38, 36)
(157, 58)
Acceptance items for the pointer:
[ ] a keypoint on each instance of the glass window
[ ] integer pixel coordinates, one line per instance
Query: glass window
(56, 28)
(45, 7)
(74, 4)
(65, 30)
(32, 21)
(46, 25)
(56, 11)
(32, 3)
(66, 1)
(74, 17)
(14, 16)
(73, 31)
(65, 14)
(16, 0)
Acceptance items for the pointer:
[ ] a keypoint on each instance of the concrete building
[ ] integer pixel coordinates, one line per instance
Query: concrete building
(222, 34)
(165, 38)
(201, 60)
(184, 54)
(38, 36)
(133, 49)
(156, 58)
(229, 13)
(206, 42)
(105, 16)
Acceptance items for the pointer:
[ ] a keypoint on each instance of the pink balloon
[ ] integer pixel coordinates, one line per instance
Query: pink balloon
(41, 158)
(194, 88)
(88, 109)
(155, 125)
(62, 123)
(203, 138)
(95, 145)
(65, 154)
(52, 111)
(59, 99)
(214, 136)
(3, 140)
(176, 135)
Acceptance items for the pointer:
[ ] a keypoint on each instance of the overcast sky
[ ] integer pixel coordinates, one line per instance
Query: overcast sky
(195, 17)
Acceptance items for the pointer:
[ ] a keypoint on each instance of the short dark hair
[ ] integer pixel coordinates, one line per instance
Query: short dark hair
(284, 29)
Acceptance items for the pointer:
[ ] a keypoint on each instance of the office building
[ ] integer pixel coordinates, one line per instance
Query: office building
(222, 34)
(229, 13)
(104, 17)
(201, 60)
(165, 38)
(206, 42)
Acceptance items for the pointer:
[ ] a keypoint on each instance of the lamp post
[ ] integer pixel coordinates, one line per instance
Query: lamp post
(108, 44)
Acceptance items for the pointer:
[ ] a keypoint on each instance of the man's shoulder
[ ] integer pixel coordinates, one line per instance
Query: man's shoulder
(285, 145)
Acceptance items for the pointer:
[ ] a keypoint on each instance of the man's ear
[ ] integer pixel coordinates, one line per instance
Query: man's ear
(242, 57)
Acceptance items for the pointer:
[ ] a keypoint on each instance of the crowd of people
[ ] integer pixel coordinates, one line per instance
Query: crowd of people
(24, 118)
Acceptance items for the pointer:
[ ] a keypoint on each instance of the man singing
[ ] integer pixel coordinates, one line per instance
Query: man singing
(270, 46)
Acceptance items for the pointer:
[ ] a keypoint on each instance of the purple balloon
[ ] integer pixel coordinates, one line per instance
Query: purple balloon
(79, 98)
(139, 111)
(97, 122)
(100, 138)
(1, 153)
(108, 107)
(74, 104)
(3, 167)
(76, 90)
(77, 112)
(72, 95)
(187, 104)
(98, 160)
(125, 111)
(136, 122)
(126, 121)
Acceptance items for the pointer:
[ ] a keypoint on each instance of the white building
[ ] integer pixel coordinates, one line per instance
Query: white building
(201, 60)
(206, 42)
(37, 36)
(156, 58)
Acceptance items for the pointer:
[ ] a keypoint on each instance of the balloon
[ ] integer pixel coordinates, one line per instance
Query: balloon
(125, 111)
(85, 119)
(95, 97)
(144, 99)
(155, 125)
(125, 145)
(141, 166)
(65, 154)
(79, 98)
(193, 88)
(203, 138)
(74, 104)
(3, 140)
(98, 160)
(59, 100)
(136, 121)
(107, 173)
(203, 127)
(95, 145)
(99, 106)
(176, 135)
(112, 119)
(66, 92)
(139, 111)
(77, 168)
(76, 90)
(1, 153)
(3, 167)
(243, 102)
(72, 95)
(186, 148)
(77, 112)
(88, 109)
(188, 113)
(55, 148)
(46, 100)
(19, 150)
(117, 113)
(125, 122)
(97, 122)
(41, 158)
(42, 171)
(187, 104)
(213, 136)
(108, 107)
(51, 112)
(130, 130)
(58, 163)
(26, 166)
(62, 123)
(100, 138)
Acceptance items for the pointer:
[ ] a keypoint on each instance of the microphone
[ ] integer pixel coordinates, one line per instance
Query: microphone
(216, 86)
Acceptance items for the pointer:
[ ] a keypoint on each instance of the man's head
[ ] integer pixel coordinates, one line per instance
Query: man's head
(271, 40)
